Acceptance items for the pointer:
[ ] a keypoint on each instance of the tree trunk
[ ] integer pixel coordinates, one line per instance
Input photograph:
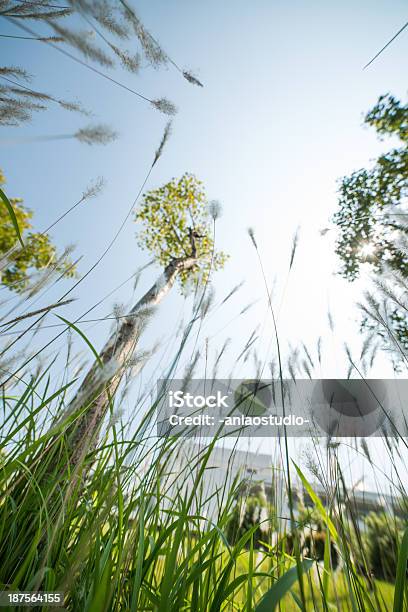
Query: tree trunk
(103, 378)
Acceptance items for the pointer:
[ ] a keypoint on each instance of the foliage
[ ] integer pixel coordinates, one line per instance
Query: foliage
(168, 214)
(371, 219)
(39, 253)
(372, 199)
(382, 539)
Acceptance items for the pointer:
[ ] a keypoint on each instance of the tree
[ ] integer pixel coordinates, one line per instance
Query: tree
(39, 253)
(176, 231)
(372, 222)
(173, 216)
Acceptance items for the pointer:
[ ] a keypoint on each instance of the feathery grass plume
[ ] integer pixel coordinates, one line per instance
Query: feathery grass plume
(116, 417)
(248, 354)
(55, 270)
(152, 50)
(74, 107)
(34, 10)
(224, 347)
(368, 341)
(207, 301)
(365, 449)
(350, 360)
(23, 91)
(143, 315)
(30, 93)
(139, 358)
(15, 71)
(251, 234)
(319, 350)
(247, 307)
(189, 372)
(292, 367)
(295, 243)
(118, 311)
(191, 78)
(258, 365)
(129, 62)
(104, 13)
(7, 364)
(396, 300)
(33, 313)
(215, 209)
(314, 467)
(307, 353)
(136, 280)
(165, 137)
(232, 292)
(96, 134)
(106, 372)
(13, 111)
(306, 367)
(80, 42)
(94, 188)
(330, 320)
(164, 106)
(251, 340)
(373, 355)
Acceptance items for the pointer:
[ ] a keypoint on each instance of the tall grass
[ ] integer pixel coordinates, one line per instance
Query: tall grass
(127, 527)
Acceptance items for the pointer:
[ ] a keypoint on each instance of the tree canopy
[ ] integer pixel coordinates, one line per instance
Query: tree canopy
(39, 252)
(372, 220)
(170, 215)
(371, 215)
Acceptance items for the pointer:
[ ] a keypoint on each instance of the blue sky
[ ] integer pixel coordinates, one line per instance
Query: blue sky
(277, 123)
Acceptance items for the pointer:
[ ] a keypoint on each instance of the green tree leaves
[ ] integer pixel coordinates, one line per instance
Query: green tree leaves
(372, 219)
(370, 200)
(167, 215)
(37, 251)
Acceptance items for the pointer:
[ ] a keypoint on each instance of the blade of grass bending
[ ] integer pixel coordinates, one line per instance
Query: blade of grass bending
(400, 583)
(93, 349)
(12, 215)
(317, 502)
(272, 597)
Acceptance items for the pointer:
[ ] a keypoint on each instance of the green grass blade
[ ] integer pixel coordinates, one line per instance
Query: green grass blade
(281, 587)
(83, 336)
(400, 583)
(317, 502)
(12, 215)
